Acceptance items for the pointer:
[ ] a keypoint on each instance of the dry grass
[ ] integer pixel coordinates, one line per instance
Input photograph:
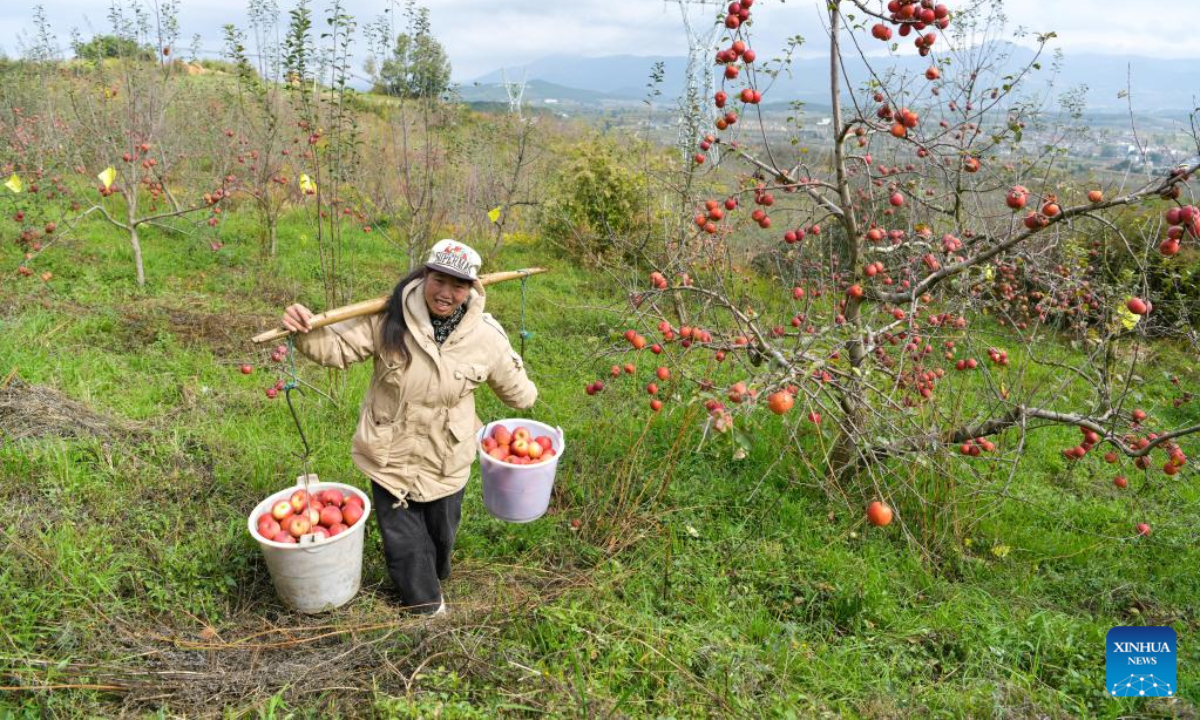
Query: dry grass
(36, 411)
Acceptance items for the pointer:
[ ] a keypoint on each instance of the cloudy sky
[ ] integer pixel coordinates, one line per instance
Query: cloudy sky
(482, 35)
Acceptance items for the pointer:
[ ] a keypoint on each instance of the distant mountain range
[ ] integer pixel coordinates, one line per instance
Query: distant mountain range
(1166, 87)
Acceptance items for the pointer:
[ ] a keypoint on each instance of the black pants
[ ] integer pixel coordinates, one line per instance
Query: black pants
(417, 541)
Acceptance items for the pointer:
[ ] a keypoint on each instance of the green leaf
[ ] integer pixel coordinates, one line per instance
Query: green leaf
(741, 439)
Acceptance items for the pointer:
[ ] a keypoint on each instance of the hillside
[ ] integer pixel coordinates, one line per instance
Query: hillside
(1159, 88)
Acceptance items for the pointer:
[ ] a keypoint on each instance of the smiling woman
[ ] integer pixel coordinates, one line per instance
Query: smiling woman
(445, 294)
(432, 346)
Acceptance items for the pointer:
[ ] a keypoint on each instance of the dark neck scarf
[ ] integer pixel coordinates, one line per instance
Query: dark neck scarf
(442, 327)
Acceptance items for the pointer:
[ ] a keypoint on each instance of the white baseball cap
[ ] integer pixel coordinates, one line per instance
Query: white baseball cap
(454, 258)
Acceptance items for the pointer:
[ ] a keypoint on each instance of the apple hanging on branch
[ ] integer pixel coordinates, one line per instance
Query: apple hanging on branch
(944, 250)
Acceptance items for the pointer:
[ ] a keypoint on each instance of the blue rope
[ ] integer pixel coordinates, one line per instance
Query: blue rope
(291, 346)
(524, 333)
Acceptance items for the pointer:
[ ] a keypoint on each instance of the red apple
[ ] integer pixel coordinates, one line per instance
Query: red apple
(299, 526)
(267, 527)
(299, 500)
(247, 369)
(351, 514)
(284, 537)
(1120, 482)
(1143, 529)
(338, 529)
(535, 450)
(352, 498)
(501, 435)
(520, 447)
(879, 514)
(333, 497)
(330, 516)
(780, 402)
(281, 510)
(544, 441)
(320, 532)
(522, 433)
(1137, 306)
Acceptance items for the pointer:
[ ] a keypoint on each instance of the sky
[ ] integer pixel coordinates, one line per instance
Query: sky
(483, 35)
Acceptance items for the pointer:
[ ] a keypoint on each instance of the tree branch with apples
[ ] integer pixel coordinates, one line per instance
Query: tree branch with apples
(860, 293)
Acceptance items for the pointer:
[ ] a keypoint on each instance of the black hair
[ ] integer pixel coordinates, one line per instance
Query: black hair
(394, 325)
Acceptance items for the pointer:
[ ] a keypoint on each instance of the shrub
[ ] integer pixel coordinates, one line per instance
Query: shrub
(597, 200)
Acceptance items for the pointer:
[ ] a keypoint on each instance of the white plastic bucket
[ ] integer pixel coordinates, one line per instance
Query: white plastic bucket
(519, 493)
(318, 576)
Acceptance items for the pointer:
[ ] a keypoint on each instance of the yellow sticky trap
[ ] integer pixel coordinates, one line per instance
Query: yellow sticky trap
(1129, 319)
(494, 214)
(307, 185)
(108, 177)
(14, 183)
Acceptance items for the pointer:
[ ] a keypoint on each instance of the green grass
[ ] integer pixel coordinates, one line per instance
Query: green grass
(742, 591)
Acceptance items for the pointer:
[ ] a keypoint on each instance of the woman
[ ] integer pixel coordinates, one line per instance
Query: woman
(432, 346)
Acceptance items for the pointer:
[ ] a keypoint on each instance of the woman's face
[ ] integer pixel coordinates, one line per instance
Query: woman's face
(445, 293)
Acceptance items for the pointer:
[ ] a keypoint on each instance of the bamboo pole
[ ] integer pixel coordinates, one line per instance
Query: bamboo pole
(376, 305)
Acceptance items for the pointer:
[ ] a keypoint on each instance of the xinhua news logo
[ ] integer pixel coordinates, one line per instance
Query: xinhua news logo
(1140, 662)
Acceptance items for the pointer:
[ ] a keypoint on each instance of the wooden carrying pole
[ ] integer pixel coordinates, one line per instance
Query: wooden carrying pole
(370, 307)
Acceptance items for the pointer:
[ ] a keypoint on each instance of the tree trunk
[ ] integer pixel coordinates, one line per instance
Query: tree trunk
(844, 457)
(134, 241)
(136, 244)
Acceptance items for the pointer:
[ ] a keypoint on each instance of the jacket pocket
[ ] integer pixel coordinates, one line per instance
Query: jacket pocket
(471, 376)
(373, 440)
(462, 444)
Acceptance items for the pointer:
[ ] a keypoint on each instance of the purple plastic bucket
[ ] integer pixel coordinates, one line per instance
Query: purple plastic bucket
(519, 493)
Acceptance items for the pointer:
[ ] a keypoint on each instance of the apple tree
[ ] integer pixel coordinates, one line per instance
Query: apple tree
(132, 133)
(267, 135)
(923, 291)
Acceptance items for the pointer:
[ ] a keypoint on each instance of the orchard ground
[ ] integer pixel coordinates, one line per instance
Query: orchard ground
(693, 585)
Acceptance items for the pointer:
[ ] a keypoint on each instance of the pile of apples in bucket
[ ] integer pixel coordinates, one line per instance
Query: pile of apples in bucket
(324, 514)
(518, 446)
